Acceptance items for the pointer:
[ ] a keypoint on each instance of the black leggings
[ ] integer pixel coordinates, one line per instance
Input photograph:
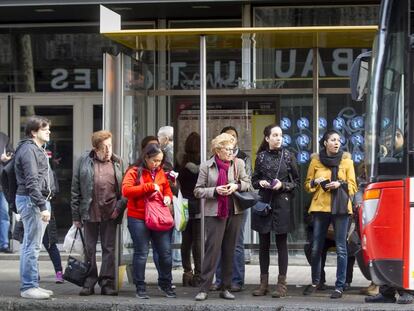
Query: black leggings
(264, 253)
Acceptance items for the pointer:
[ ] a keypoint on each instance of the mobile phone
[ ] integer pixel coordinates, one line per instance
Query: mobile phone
(273, 183)
(324, 183)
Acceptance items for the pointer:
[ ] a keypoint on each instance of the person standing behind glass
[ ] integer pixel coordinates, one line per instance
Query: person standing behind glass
(276, 176)
(239, 254)
(216, 182)
(191, 236)
(166, 141)
(151, 179)
(328, 171)
(6, 153)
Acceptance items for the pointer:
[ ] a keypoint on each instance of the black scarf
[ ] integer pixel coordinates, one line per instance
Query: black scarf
(331, 162)
(339, 199)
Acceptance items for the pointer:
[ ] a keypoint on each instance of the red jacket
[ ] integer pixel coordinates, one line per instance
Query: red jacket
(135, 193)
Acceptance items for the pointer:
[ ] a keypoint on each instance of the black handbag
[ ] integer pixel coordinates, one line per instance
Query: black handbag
(246, 199)
(340, 201)
(76, 270)
(262, 208)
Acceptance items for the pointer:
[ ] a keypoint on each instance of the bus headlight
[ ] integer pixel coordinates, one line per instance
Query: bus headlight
(369, 211)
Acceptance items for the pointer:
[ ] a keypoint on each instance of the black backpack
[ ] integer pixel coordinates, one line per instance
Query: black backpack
(9, 183)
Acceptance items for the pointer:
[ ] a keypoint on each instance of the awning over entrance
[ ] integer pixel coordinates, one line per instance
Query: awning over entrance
(227, 38)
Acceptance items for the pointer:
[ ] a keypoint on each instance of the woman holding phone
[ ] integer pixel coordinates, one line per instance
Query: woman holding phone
(330, 174)
(218, 178)
(276, 176)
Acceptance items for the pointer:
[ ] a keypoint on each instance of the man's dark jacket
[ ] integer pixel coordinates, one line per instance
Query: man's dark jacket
(82, 184)
(33, 173)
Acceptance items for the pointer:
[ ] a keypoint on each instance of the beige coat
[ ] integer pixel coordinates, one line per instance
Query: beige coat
(207, 181)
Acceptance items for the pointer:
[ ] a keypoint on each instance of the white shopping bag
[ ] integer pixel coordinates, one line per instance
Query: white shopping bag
(180, 212)
(69, 238)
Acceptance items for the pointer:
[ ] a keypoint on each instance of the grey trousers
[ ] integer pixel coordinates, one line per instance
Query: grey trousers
(221, 237)
(106, 231)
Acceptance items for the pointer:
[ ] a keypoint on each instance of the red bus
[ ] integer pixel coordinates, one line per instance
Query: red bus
(387, 213)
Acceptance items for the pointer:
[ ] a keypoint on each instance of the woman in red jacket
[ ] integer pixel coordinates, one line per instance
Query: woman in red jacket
(140, 181)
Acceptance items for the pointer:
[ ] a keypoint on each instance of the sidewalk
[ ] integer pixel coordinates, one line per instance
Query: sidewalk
(66, 295)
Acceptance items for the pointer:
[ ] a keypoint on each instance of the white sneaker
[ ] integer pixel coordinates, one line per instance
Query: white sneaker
(47, 291)
(34, 293)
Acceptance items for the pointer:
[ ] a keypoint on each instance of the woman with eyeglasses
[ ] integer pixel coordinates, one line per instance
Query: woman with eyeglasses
(218, 178)
(276, 176)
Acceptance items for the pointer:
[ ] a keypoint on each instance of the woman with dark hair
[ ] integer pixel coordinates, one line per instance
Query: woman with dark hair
(191, 236)
(331, 180)
(276, 176)
(140, 182)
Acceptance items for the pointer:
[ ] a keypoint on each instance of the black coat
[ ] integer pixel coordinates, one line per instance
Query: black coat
(267, 168)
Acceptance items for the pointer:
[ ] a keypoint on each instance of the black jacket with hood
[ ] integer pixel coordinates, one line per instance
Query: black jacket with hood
(33, 174)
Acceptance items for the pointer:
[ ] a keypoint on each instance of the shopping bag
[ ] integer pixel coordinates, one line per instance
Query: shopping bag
(77, 270)
(180, 211)
(72, 238)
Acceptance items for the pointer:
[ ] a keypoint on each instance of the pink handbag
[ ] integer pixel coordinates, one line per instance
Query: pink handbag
(157, 214)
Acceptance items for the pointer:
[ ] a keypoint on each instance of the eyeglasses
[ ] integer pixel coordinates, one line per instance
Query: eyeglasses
(228, 149)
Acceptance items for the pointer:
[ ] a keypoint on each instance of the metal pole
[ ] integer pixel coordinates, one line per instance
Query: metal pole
(315, 92)
(203, 126)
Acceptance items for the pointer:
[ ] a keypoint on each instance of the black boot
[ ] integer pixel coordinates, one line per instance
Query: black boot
(380, 298)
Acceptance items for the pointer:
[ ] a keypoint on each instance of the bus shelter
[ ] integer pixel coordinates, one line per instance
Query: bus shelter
(128, 105)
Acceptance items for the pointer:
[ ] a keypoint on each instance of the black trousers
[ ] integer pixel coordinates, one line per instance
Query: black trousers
(191, 244)
(106, 231)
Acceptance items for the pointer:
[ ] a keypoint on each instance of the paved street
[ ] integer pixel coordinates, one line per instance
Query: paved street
(66, 295)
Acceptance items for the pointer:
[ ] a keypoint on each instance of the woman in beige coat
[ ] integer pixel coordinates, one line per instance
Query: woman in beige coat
(218, 178)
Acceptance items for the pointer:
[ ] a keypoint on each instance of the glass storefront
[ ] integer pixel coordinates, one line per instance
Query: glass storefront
(245, 90)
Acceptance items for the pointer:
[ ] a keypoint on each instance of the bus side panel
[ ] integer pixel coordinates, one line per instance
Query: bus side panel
(409, 233)
(385, 231)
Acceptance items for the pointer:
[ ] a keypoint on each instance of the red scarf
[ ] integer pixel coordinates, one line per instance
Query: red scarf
(223, 202)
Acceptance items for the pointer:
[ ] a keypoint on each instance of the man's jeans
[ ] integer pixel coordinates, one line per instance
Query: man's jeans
(161, 242)
(4, 222)
(321, 223)
(238, 260)
(34, 228)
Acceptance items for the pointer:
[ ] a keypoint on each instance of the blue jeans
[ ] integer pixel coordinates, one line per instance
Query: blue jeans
(238, 259)
(161, 242)
(34, 229)
(4, 222)
(321, 223)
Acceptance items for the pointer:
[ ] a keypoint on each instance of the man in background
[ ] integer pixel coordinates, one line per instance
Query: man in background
(6, 151)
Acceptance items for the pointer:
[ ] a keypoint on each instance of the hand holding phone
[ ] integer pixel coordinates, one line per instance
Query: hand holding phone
(324, 183)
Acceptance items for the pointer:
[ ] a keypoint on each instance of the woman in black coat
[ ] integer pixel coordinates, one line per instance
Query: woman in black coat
(276, 176)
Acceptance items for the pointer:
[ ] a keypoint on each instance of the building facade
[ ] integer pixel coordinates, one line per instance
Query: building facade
(51, 63)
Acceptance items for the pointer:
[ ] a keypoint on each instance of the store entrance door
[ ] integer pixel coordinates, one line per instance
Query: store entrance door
(73, 119)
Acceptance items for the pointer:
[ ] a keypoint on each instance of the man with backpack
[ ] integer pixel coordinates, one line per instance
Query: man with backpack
(6, 153)
(35, 188)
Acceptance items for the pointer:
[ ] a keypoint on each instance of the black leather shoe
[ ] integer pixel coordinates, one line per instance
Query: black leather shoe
(380, 298)
(108, 291)
(225, 294)
(86, 291)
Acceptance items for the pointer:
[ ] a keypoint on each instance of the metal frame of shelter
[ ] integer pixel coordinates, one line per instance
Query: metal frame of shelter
(221, 38)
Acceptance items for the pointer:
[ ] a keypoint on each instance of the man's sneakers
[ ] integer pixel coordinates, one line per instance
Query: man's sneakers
(36, 293)
(168, 291)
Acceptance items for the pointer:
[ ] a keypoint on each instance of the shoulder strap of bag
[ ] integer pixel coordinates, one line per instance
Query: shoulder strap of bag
(82, 239)
(280, 162)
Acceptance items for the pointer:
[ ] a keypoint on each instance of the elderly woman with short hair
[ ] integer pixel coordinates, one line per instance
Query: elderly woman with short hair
(218, 179)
